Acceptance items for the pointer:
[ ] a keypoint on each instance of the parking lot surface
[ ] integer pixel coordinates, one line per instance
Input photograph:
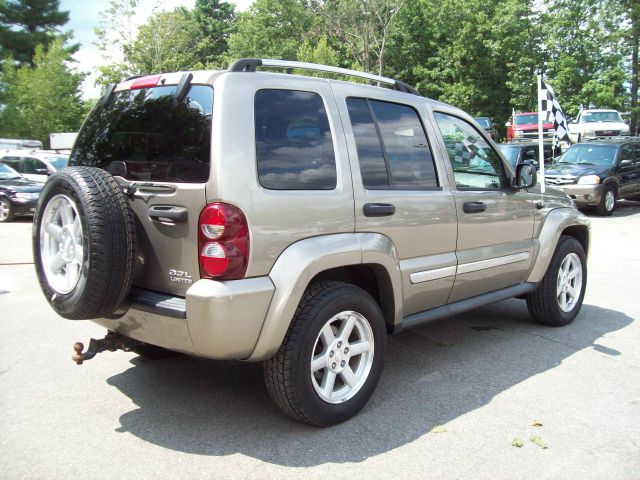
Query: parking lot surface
(488, 394)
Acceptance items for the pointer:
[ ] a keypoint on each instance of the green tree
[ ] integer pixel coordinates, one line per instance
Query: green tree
(44, 98)
(27, 23)
(362, 27)
(584, 60)
(164, 44)
(270, 29)
(215, 22)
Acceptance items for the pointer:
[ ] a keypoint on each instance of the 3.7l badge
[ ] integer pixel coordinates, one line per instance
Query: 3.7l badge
(179, 276)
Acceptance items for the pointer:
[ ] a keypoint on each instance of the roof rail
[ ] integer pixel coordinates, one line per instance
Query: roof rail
(250, 65)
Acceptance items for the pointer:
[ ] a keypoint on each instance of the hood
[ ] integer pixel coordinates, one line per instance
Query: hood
(21, 185)
(577, 170)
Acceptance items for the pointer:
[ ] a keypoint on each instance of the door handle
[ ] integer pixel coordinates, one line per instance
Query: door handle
(168, 213)
(378, 209)
(473, 207)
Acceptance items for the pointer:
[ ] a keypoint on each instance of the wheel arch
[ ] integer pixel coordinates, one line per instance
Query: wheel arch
(367, 260)
(560, 221)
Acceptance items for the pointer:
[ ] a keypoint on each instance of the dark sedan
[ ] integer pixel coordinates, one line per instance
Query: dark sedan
(18, 196)
(599, 172)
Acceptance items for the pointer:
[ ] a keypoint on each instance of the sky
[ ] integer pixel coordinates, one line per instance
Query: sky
(85, 15)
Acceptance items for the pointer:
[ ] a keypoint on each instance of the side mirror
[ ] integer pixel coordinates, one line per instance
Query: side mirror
(526, 176)
(508, 124)
(42, 171)
(625, 163)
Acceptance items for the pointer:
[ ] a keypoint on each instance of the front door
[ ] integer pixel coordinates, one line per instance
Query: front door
(495, 223)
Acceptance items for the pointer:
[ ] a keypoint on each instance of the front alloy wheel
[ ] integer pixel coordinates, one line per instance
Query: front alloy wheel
(6, 210)
(559, 296)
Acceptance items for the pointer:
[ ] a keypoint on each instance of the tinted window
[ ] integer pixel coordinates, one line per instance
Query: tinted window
(13, 162)
(31, 165)
(370, 156)
(475, 164)
(392, 147)
(294, 147)
(158, 138)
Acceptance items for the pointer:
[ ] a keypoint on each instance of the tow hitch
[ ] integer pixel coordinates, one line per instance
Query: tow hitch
(112, 341)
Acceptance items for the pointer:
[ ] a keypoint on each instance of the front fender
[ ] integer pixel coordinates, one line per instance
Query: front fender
(556, 221)
(301, 262)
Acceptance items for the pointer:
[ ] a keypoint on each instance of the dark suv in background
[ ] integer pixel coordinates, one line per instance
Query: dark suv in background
(599, 172)
(488, 126)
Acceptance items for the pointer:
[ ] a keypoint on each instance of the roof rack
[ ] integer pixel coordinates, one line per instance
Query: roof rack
(250, 65)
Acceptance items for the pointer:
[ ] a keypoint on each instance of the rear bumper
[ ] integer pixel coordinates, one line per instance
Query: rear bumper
(583, 195)
(219, 320)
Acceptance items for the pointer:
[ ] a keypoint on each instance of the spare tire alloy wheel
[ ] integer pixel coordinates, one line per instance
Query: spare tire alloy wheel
(61, 249)
(342, 358)
(84, 243)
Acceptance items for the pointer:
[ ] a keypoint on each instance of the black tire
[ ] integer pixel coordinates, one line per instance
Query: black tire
(288, 374)
(543, 303)
(7, 207)
(601, 208)
(108, 240)
(153, 352)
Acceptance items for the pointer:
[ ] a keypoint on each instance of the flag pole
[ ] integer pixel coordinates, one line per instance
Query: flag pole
(540, 141)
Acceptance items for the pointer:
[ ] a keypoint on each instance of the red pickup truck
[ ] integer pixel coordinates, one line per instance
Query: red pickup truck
(525, 126)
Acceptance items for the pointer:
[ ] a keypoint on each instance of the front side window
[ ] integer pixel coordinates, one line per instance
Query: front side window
(476, 166)
(13, 162)
(157, 137)
(393, 151)
(294, 146)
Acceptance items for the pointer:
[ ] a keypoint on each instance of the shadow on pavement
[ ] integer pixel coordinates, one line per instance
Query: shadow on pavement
(433, 374)
(624, 208)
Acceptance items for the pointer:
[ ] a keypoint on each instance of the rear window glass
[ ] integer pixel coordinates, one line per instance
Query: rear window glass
(157, 138)
(294, 147)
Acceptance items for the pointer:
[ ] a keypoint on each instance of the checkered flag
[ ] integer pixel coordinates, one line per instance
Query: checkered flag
(549, 103)
(465, 150)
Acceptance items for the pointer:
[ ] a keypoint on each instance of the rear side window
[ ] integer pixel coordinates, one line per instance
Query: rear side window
(294, 147)
(158, 138)
(393, 151)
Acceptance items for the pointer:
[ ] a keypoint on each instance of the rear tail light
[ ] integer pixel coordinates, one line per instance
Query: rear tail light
(223, 242)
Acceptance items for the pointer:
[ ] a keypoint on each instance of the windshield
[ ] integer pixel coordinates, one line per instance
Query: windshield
(528, 118)
(157, 138)
(7, 173)
(58, 162)
(584, 154)
(484, 122)
(511, 153)
(595, 117)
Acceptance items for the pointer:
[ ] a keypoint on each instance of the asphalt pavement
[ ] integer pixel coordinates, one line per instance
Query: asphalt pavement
(485, 395)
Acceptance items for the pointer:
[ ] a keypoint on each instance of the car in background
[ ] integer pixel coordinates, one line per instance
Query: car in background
(489, 127)
(18, 196)
(525, 126)
(599, 173)
(518, 152)
(597, 123)
(34, 165)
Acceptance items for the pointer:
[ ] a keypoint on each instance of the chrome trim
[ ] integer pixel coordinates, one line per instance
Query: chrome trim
(436, 274)
(492, 262)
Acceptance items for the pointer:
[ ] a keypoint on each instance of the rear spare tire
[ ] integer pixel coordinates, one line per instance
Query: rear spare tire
(84, 243)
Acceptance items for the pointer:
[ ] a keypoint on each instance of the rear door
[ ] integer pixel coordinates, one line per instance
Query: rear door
(399, 189)
(495, 223)
(158, 146)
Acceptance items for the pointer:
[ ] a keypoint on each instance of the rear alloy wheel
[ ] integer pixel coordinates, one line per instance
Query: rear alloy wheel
(332, 356)
(607, 203)
(558, 298)
(6, 210)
